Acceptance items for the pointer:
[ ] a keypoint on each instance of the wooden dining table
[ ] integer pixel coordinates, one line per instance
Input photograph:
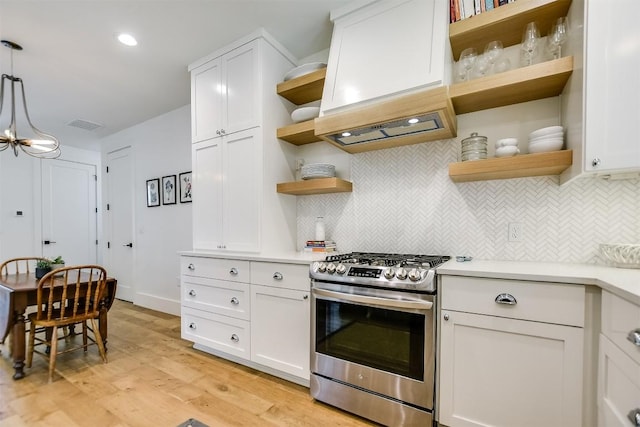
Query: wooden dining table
(19, 291)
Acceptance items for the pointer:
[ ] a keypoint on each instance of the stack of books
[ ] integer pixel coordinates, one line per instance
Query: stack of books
(461, 9)
(321, 246)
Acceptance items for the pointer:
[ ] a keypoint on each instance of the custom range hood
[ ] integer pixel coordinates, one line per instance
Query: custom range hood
(386, 76)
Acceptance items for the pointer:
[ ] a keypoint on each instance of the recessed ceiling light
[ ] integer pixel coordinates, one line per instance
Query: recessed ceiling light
(127, 39)
(413, 121)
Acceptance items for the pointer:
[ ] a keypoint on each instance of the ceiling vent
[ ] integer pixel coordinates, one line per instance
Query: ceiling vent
(84, 124)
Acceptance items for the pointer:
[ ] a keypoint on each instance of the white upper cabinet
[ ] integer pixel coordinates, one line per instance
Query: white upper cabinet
(224, 94)
(383, 48)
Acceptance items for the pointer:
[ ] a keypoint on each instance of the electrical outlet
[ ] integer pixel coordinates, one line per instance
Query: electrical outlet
(299, 164)
(515, 232)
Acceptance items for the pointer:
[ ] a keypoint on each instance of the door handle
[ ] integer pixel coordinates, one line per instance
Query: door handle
(129, 245)
(48, 242)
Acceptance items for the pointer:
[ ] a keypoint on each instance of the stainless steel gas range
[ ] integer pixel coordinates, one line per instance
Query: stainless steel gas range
(373, 335)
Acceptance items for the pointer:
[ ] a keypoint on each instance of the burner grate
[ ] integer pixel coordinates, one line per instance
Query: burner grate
(389, 260)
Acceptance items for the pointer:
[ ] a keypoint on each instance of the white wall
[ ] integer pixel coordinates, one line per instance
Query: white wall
(160, 146)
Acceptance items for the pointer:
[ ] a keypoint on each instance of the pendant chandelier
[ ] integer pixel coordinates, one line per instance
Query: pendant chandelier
(42, 145)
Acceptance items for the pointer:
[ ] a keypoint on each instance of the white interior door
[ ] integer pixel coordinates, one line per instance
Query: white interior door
(69, 211)
(119, 221)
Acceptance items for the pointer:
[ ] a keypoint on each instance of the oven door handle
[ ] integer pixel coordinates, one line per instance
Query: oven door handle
(383, 302)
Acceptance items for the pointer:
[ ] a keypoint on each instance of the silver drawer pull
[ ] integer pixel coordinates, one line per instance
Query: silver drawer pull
(192, 293)
(234, 301)
(277, 275)
(192, 325)
(507, 299)
(233, 271)
(634, 337)
(235, 338)
(191, 267)
(634, 417)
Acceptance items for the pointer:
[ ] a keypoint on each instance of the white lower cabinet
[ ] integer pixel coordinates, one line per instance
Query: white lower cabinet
(257, 313)
(497, 369)
(619, 363)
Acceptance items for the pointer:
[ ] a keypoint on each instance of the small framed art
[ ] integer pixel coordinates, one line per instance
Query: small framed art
(169, 190)
(153, 192)
(185, 187)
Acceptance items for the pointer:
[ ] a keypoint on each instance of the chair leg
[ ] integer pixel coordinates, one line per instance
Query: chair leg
(98, 337)
(32, 339)
(52, 355)
(84, 336)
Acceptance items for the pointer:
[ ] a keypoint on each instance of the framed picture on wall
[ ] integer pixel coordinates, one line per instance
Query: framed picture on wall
(185, 187)
(169, 190)
(153, 192)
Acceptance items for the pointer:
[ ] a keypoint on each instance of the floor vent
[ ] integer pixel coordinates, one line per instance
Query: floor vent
(84, 124)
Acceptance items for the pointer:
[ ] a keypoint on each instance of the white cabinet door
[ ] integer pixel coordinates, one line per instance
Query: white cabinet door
(225, 94)
(207, 184)
(496, 371)
(280, 329)
(612, 88)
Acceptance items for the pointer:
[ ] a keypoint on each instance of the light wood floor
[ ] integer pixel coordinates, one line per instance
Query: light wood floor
(154, 378)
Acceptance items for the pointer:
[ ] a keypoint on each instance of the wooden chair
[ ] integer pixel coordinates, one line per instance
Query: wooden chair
(76, 294)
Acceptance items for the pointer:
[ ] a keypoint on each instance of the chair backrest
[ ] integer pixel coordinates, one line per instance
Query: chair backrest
(19, 265)
(70, 294)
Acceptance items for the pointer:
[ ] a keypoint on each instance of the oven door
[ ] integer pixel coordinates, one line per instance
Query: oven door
(377, 340)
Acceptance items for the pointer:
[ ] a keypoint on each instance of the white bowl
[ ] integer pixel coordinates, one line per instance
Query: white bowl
(304, 69)
(546, 131)
(550, 136)
(506, 142)
(556, 140)
(305, 113)
(507, 151)
(544, 146)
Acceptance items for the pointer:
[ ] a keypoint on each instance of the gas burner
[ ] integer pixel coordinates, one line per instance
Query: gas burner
(389, 260)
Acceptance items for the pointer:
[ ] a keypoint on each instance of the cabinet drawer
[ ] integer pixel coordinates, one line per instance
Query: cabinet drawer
(620, 321)
(221, 333)
(544, 302)
(217, 296)
(290, 276)
(215, 268)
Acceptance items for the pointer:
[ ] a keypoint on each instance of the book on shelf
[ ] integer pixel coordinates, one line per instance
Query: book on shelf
(319, 250)
(462, 9)
(321, 243)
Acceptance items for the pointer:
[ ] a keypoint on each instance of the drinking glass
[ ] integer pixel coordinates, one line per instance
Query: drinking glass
(467, 59)
(481, 67)
(530, 42)
(493, 51)
(557, 37)
(502, 64)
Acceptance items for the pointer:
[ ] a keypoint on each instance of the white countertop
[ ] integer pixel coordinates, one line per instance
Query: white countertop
(624, 282)
(285, 257)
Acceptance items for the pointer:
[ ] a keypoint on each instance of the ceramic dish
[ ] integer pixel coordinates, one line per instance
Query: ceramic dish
(506, 142)
(546, 131)
(507, 151)
(304, 69)
(305, 113)
(544, 146)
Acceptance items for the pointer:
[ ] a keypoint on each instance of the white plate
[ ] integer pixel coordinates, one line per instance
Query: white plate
(546, 131)
(304, 69)
(305, 113)
(546, 146)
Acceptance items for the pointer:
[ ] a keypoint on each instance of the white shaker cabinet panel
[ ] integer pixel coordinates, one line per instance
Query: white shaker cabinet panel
(206, 101)
(207, 166)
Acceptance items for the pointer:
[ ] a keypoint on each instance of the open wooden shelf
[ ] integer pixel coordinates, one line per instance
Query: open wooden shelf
(315, 186)
(303, 89)
(505, 23)
(520, 166)
(299, 133)
(537, 81)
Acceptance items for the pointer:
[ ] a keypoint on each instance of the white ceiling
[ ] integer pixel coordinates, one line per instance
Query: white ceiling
(74, 68)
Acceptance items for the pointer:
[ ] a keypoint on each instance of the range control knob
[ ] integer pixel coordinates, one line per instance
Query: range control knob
(401, 273)
(415, 274)
(390, 273)
(341, 269)
(322, 267)
(331, 268)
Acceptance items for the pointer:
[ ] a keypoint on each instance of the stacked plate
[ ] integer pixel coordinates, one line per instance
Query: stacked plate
(306, 112)
(317, 170)
(303, 70)
(546, 139)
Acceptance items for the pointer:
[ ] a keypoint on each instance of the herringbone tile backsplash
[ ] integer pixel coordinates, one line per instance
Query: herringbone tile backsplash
(403, 201)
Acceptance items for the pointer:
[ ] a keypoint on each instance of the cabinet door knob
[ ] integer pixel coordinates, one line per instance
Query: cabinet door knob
(305, 297)
(235, 338)
(507, 299)
(192, 325)
(446, 317)
(277, 275)
(218, 132)
(634, 337)
(191, 267)
(634, 417)
(235, 301)
(192, 293)
(595, 162)
(222, 131)
(233, 271)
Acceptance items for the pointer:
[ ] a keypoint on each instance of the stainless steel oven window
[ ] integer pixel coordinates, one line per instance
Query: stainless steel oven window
(381, 338)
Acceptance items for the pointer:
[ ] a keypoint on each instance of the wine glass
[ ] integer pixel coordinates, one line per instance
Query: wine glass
(467, 59)
(502, 64)
(557, 37)
(529, 46)
(482, 66)
(493, 51)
